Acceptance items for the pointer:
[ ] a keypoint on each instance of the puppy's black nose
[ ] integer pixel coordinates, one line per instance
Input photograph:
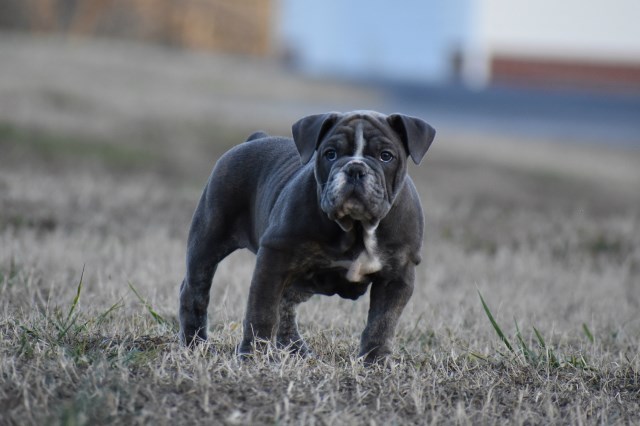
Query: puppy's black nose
(356, 170)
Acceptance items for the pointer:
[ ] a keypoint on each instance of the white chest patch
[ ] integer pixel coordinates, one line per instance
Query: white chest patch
(365, 264)
(367, 261)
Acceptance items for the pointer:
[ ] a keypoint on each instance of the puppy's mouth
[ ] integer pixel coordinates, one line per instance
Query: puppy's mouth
(346, 202)
(354, 209)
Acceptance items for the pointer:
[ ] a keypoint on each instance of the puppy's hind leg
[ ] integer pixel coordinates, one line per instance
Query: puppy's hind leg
(209, 242)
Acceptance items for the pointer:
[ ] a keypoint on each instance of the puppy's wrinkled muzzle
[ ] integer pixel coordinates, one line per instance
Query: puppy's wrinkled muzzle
(354, 194)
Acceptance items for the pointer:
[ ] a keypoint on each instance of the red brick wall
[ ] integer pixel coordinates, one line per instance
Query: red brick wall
(565, 73)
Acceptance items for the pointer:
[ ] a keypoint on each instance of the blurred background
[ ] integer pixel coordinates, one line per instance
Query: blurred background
(535, 104)
(568, 71)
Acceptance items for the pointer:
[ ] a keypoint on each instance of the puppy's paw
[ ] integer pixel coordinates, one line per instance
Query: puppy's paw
(192, 337)
(377, 355)
(297, 347)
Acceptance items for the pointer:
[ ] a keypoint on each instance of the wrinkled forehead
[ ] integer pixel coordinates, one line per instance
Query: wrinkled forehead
(369, 122)
(366, 114)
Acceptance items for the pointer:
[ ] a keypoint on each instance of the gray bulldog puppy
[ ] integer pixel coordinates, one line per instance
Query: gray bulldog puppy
(332, 211)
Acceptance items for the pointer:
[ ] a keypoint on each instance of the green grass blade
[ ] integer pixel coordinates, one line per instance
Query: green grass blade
(541, 341)
(495, 325)
(103, 316)
(579, 361)
(551, 356)
(588, 333)
(70, 320)
(528, 353)
(479, 356)
(156, 316)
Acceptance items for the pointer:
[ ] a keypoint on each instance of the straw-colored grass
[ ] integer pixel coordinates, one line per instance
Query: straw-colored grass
(91, 261)
(97, 186)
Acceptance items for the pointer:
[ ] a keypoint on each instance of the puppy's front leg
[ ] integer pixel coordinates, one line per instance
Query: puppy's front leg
(387, 301)
(267, 286)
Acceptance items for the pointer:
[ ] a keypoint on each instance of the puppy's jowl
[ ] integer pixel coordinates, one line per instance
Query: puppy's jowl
(330, 212)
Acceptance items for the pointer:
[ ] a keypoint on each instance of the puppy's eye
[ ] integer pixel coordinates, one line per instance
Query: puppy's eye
(331, 154)
(386, 156)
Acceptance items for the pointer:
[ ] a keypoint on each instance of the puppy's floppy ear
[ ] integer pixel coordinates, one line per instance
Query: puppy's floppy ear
(309, 131)
(414, 133)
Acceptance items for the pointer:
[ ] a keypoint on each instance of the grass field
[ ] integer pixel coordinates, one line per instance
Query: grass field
(94, 213)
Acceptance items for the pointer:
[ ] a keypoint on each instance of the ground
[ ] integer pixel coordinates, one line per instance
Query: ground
(104, 150)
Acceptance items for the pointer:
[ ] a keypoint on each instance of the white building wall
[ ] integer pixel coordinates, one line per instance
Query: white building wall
(571, 30)
(606, 30)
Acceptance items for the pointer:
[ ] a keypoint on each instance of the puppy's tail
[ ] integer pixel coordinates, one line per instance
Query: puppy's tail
(257, 135)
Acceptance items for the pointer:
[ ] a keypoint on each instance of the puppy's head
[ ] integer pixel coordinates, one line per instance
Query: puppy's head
(360, 160)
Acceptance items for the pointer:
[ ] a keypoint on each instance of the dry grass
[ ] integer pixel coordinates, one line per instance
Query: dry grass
(548, 246)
